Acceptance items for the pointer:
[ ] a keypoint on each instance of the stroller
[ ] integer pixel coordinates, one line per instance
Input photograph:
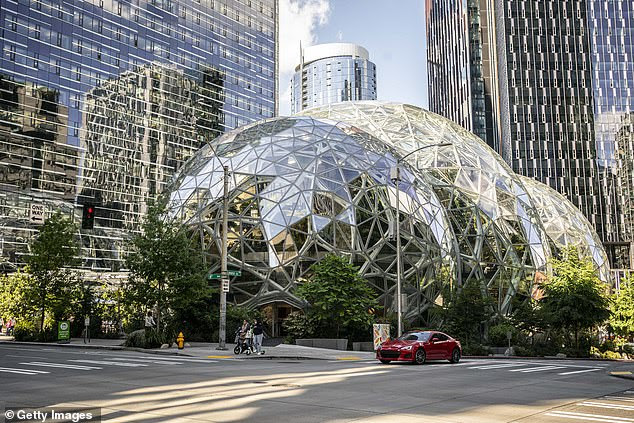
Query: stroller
(242, 345)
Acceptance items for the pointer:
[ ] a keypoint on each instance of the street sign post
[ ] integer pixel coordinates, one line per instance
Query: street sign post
(212, 276)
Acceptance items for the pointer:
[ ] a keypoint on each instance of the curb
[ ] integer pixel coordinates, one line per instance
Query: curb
(622, 375)
(95, 347)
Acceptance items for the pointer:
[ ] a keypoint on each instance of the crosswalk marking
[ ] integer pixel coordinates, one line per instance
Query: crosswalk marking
(607, 405)
(589, 417)
(110, 363)
(61, 365)
(579, 371)
(167, 363)
(497, 366)
(21, 371)
(537, 369)
(185, 359)
(617, 398)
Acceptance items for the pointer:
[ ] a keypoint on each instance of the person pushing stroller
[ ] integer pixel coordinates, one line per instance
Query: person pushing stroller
(244, 339)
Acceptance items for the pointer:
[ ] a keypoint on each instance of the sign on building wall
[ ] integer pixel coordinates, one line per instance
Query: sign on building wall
(36, 214)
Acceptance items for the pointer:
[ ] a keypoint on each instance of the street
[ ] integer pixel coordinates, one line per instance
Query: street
(138, 387)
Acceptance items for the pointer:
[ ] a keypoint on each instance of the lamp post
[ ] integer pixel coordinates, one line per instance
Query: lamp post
(395, 175)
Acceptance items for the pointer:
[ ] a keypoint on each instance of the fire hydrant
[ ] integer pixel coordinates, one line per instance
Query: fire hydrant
(180, 341)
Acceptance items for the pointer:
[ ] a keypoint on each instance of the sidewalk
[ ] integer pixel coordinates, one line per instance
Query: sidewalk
(209, 350)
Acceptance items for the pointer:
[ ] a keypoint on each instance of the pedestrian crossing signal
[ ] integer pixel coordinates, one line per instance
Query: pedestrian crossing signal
(88, 217)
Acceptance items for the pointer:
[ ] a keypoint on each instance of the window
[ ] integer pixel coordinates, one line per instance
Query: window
(59, 40)
(12, 53)
(119, 8)
(80, 19)
(118, 34)
(14, 23)
(78, 73)
(37, 32)
(36, 60)
(58, 67)
(79, 46)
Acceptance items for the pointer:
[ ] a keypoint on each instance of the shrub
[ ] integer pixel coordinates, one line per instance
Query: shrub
(497, 334)
(25, 331)
(136, 339)
(523, 351)
(297, 325)
(475, 349)
(151, 339)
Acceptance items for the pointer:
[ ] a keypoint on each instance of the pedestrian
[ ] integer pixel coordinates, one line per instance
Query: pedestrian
(149, 323)
(243, 331)
(258, 334)
(249, 337)
(10, 326)
(1, 324)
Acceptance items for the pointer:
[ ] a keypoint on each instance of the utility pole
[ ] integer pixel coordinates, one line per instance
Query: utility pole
(224, 285)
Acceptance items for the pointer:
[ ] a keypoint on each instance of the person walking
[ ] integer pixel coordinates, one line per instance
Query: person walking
(149, 323)
(258, 334)
(1, 324)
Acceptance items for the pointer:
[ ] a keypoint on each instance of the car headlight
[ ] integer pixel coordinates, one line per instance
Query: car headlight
(407, 348)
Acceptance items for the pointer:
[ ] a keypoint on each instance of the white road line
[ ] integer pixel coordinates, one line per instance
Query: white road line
(617, 398)
(607, 405)
(21, 371)
(497, 366)
(579, 371)
(184, 359)
(167, 363)
(590, 417)
(61, 365)
(537, 369)
(110, 363)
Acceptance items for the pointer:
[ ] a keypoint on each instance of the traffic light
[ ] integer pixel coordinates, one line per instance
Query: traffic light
(88, 218)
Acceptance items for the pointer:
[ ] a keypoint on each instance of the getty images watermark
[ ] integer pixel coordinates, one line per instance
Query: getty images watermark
(50, 414)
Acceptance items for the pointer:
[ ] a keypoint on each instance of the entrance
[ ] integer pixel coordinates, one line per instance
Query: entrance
(276, 313)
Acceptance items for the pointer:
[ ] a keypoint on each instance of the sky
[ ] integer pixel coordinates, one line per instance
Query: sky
(393, 32)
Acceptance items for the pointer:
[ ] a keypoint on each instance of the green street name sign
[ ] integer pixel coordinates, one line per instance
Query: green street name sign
(219, 275)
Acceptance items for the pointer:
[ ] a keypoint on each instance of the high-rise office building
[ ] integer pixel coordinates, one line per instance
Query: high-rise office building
(102, 100)
(330, 73)
(545, 83)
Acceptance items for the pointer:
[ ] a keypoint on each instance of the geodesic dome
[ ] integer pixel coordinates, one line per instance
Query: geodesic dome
(566, 226)
(301, 188)
(501, 240)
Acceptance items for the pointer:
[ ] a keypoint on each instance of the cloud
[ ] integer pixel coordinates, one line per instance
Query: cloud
(299, 21)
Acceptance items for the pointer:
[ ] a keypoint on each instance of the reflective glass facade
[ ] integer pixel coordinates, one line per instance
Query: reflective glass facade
(330, 73)
(101, 101)
(556, 90)
(611, 28)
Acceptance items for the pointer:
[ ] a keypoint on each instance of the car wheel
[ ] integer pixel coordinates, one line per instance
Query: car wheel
(385, 361)
(420, 356)
(455, 356)
(236, 350)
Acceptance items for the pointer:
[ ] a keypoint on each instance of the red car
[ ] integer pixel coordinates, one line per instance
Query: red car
(420, 346)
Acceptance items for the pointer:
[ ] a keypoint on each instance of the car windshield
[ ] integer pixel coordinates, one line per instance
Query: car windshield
(415, 336)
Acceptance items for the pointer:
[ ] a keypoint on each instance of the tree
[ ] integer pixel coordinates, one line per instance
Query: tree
(53, 251)
(466, 312)
(340, 299)
(574, 297)
(167, 267)
(18, 297)
(622, 307)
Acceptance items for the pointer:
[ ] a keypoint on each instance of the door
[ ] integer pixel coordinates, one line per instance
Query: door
(435, 349)
(444, 346)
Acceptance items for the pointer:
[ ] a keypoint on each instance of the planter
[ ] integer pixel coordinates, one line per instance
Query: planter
(332, 344)
(363, 346)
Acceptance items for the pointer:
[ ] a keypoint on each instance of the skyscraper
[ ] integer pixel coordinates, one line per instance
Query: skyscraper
(531, 78)
(330, 73)
(101, 101)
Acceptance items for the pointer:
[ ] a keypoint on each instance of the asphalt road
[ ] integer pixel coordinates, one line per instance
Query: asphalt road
(137, 387)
